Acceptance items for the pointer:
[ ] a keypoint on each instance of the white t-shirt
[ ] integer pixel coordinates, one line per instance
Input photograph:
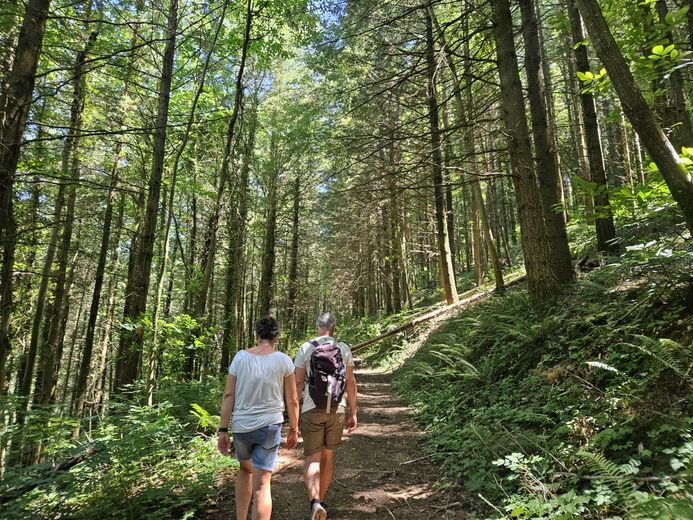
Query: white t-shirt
(303, 361)
(259, 398)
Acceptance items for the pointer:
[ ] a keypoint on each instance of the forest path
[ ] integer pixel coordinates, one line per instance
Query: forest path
(381, 471)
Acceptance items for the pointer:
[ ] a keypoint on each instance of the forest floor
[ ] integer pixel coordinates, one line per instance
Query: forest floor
(381, 470)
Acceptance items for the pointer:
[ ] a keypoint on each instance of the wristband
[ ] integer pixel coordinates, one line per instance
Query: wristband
(223, 430)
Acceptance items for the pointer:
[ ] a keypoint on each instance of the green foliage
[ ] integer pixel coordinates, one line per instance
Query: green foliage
(574, 413)
(139, 462)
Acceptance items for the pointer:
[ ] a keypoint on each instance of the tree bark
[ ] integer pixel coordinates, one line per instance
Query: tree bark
(546, 158)
(293, 269)
(209, 249)
(15, 101)
(604, 222)
(541, 280)
(130, 347)
(233, 309)
(640, 115)
(671, 104)
(266, 289)
(50, 354)
(154, 349)
(447, 273)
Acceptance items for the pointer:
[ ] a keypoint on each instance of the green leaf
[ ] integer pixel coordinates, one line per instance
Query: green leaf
(658, 50)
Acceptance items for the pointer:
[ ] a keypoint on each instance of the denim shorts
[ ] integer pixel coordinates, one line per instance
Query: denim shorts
(260, 446)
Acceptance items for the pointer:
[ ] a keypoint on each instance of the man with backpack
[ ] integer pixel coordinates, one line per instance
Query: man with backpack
(325, 378)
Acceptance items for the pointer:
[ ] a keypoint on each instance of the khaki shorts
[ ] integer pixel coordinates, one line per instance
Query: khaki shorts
(321, 430)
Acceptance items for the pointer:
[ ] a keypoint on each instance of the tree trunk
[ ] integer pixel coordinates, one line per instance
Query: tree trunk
(638, 112)
(85, 367)
(293, 269)
(266, 288)
(15, 101)
(130, 347)
(386, 253)
(395, 246)
(548, 175)
(671, 103)
(480, 217)
(50, 358)
(209, 250)
(578, 127)
(102, 367)
(448, 276)
(604, 222)
(233, 309)
(541, 280)
(154, 350)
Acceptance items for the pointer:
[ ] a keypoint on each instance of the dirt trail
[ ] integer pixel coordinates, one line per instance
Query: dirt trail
(374, 478)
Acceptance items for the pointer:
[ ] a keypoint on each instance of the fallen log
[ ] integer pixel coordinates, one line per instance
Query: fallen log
(67, 465)
(432, 314)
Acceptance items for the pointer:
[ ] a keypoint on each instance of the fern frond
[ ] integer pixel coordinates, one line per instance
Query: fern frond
(613, 476)
(603, 366)
(668, 353)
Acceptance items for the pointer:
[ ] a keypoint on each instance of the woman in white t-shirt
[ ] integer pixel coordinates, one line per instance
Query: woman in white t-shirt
(260, 379)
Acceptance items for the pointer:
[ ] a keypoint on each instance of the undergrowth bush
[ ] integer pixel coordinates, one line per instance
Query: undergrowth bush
(138, 462)
(580, 411)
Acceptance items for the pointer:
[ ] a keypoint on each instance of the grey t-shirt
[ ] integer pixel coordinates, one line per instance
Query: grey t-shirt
(259, 398)
(302, 360)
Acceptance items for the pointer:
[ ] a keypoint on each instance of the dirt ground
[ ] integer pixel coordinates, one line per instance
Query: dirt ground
(381, 471)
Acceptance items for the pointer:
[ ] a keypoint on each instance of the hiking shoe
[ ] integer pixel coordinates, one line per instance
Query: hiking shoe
(317, 511)
(328, 510)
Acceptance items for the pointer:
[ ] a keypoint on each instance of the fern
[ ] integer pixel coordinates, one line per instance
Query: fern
(603, 366)
(668, 353)
(616, 478)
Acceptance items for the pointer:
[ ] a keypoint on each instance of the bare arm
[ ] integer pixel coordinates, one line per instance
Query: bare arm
(351, 391)
(300, 374)
(227, 403)
(291, 398)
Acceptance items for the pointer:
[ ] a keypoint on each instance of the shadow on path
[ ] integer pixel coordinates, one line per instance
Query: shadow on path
(381, 470)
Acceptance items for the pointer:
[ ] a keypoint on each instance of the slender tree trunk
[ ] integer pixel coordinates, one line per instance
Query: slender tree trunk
(130, 347)
(102, 367)
(233, 310)
(293, 269)
(386, 252)
(15, 101)
(209, 250)
(266, 288)
(395, 247)
(85, 367)
(604, 222)
(638, 112)
(638, 159)
(447, 156)
(546, 159)
(540, 277)
(480, 216)
(578, 127)
(672, 103)
(154, 350)
(50, 352)
(448, 275)
(551, 112)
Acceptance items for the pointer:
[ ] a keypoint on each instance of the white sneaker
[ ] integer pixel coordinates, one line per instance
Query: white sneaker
(318, 512)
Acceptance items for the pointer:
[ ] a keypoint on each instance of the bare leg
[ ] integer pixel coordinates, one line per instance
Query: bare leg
(244, 489)
(326, 472)
(311, 475)
(262, 505)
